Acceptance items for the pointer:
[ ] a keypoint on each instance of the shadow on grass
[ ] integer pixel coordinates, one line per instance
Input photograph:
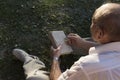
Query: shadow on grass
(10, 68)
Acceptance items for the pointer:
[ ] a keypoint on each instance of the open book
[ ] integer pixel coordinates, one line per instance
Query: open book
(58, 38)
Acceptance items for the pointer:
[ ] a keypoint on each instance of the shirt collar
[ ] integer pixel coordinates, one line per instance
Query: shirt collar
(114, 46)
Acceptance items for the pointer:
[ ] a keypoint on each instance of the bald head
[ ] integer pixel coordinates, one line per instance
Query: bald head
(107, 9)
(107, 17)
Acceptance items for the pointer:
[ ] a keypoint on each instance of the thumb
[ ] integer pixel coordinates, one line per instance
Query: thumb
(59, 47)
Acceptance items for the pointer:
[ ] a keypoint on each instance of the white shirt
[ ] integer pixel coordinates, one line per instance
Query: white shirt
(102, 63)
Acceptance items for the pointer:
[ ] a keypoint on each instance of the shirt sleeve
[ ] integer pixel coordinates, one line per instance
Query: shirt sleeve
(74, 73)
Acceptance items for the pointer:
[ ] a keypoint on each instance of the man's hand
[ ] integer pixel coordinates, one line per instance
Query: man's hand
(75, 40)
(56, 52)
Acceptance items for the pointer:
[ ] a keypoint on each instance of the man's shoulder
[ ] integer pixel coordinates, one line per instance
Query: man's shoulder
(89, 59)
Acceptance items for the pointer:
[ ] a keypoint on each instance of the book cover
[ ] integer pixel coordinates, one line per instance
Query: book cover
(58, 38)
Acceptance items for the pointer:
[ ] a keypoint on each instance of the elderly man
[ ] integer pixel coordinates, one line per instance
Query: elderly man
(103, 60)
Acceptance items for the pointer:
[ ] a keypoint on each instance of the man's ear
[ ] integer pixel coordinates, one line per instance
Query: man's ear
(100, 34)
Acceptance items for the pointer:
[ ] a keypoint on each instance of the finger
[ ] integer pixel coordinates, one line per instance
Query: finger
(71, 40)
(72, 37)
(72, 34)
(59, 47)
(68, 42)
(52, 48)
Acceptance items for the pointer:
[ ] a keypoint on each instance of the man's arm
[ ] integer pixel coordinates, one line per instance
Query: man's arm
(55, 68)
(87, 44)
(77, 41)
